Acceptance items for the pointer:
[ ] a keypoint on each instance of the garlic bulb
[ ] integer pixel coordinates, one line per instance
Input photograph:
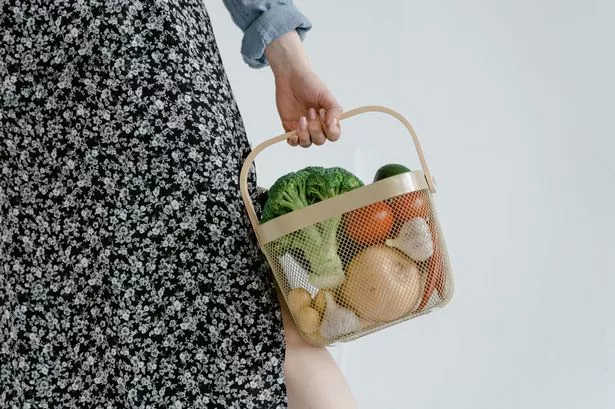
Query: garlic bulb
(337, 321)
(414, 239)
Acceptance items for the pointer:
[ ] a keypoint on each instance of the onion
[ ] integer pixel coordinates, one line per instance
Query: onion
(382, 284)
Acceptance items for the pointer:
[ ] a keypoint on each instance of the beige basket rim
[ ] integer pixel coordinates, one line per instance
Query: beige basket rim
(338, 205)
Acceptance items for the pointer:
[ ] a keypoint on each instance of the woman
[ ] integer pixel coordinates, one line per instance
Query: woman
(129, 274)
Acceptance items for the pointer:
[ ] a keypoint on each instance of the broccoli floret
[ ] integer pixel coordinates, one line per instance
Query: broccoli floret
(318, 243)
(348, 181)
(325, 183)
(287, 194)
(319, 186)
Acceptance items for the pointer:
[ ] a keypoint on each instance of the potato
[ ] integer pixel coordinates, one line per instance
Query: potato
(297, 299)
(308, 320)
(320, 301)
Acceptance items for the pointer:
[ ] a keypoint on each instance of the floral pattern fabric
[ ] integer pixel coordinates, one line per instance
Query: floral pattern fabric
(129, 275)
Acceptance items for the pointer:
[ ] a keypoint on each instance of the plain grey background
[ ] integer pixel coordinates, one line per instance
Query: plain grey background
(514, 104)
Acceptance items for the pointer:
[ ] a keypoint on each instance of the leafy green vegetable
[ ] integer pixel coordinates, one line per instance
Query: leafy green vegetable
(318, 243)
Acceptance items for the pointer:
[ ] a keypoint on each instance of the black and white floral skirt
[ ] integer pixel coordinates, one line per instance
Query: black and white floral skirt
(129, 276)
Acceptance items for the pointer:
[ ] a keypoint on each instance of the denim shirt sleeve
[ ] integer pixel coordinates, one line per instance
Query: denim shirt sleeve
(262, 21)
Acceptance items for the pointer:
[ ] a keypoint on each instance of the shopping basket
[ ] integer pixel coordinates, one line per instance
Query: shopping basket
(361, 261)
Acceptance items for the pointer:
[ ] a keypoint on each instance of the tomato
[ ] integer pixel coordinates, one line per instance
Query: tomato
(410, 205)
(370, 224)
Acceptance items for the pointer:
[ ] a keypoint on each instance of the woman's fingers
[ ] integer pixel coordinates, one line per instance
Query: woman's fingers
(303, 133)
(331, 125)
(315, 128)
(293, 140)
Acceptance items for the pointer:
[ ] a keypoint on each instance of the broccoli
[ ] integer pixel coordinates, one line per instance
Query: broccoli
(318, 243)
(325, 183)
(348, 181)
(286, 194)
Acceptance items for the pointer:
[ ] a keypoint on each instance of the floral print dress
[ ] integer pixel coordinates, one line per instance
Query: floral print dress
(129, 275)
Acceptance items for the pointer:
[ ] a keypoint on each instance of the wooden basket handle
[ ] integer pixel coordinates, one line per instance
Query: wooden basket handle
(243, 177)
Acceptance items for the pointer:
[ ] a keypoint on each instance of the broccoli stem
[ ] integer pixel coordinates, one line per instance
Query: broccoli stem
(319, 246)
(294, 200)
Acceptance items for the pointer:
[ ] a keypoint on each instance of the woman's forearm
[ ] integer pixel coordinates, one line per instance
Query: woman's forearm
(304, 102)
(312, 376)
(286, 54)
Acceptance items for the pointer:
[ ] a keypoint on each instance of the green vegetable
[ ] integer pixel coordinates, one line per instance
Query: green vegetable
(325, 183)
(286, 194)
(389, 170)
(319, 246)
(318, 243)
(305, 187)
(296, 274)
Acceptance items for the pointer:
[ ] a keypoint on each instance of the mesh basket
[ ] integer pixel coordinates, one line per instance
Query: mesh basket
(361, 261)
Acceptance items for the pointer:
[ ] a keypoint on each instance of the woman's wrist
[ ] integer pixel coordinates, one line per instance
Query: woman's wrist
(286, 56)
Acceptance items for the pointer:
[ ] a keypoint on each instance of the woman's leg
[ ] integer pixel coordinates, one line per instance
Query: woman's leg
(313, 379)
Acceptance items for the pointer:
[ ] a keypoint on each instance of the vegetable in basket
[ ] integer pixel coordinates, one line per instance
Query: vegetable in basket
(308, 319)
(298, 298)
(436, 262)
(297, 276)
(382, 284)
(436, 271)
(370, 224)
(320, 301)
(307, 186)
(414, 239)
(389, 170)
(408, 205)
(337, 321)
(318, 243)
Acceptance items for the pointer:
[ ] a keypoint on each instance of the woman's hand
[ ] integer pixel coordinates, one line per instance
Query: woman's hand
(303, 100)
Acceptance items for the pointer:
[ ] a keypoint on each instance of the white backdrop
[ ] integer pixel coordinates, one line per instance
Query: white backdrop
(514, 103)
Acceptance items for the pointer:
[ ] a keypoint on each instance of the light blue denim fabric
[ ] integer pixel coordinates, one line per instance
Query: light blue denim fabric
(262, 21)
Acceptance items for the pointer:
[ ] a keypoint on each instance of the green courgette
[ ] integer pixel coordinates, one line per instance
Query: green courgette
(389, 170)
